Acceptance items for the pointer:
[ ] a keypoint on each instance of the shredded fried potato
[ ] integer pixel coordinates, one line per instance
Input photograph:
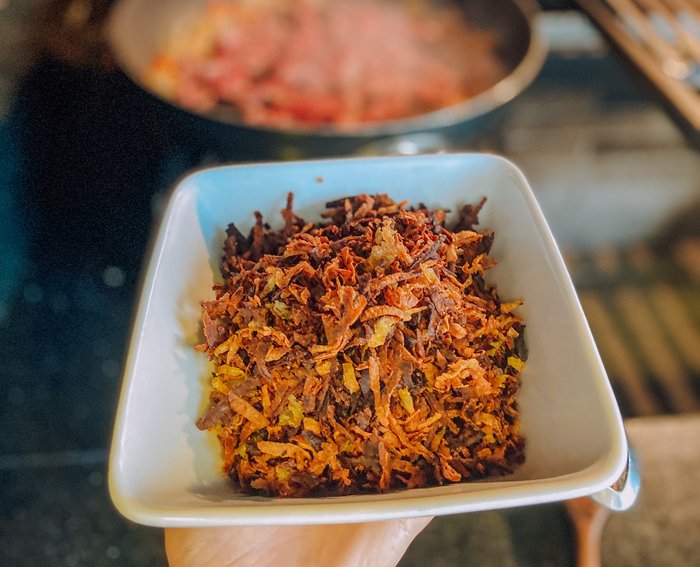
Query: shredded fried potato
(362, 354)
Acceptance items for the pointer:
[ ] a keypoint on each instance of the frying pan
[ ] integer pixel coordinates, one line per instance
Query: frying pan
(136, 29)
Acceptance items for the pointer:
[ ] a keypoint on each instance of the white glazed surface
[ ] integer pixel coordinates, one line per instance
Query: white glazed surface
(165, 472)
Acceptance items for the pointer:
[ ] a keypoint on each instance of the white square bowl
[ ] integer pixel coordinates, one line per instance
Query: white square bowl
(166, 472)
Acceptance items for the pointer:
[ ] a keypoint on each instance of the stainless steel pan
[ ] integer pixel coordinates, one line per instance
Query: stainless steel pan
(137, 28)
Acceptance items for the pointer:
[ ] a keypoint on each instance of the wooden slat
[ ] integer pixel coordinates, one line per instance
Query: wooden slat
(680, 94)
(678, 323)
(623, 367)
(670, 59)
(666, 9)
(655, 351)
(690, 7)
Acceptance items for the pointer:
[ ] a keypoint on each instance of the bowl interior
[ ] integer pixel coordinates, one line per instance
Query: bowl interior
(162, 463)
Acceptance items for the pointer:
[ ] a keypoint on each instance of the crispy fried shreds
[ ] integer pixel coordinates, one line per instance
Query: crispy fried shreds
(362, 354)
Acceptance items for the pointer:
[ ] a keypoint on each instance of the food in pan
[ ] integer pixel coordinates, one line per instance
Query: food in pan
(364, 353)
(310, 63)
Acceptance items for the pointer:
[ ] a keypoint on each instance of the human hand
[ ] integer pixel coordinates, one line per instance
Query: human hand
(380, 544)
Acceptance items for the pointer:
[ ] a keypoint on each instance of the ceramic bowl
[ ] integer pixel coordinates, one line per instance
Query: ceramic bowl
(166, 472)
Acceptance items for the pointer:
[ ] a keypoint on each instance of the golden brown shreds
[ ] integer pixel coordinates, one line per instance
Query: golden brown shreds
(367, 354)
(469, 216)
(292, 223)
(244, 408)
(212, 331)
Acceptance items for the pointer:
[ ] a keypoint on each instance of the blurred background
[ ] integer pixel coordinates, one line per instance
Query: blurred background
(86, 158)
